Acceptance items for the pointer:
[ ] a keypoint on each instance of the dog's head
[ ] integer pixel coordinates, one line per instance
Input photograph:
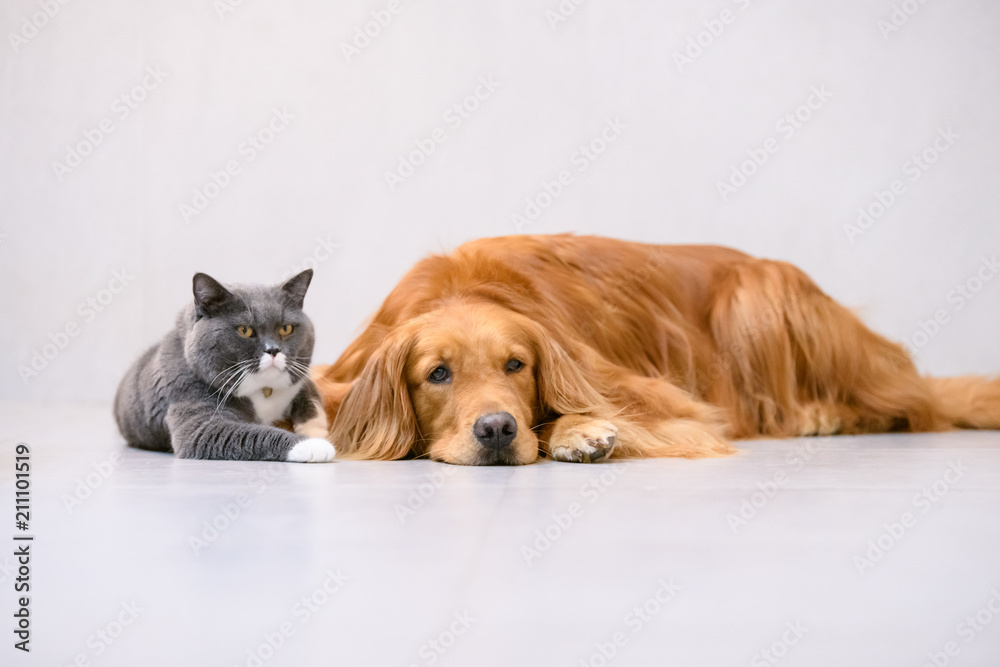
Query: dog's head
(465, 384)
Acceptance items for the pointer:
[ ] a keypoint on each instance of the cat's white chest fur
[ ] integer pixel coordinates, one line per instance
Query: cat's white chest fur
(271, 392)
(271, 408)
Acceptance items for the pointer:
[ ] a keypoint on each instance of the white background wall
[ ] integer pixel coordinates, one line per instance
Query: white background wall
(321, 179)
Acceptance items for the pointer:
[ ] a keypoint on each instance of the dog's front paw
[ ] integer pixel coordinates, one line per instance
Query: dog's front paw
(819, 419)
(582, 440)
(311, 450)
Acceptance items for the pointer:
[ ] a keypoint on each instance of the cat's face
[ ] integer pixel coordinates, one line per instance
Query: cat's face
(249, 338)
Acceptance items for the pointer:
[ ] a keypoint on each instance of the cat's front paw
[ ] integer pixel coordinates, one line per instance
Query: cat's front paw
(311, 450)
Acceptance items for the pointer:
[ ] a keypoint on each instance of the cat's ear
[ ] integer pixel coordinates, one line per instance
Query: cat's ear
(294, 289)
(209, 294)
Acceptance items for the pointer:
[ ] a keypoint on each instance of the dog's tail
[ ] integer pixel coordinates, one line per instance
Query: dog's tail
(968, 401)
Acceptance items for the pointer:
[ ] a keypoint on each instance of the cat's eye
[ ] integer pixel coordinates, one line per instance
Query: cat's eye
(244, 331)
(439, 375)
(514, 365)
(285, 329)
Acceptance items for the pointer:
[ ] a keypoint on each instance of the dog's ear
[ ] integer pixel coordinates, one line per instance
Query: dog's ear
(376, 421)
(566, 385)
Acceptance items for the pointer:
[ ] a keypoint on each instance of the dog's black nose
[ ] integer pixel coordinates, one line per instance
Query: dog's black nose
(495, 430)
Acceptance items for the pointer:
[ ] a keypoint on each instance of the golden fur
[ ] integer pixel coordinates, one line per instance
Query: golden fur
(628, 350)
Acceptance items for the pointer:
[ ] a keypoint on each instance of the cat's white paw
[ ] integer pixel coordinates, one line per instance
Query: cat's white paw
(311, 450)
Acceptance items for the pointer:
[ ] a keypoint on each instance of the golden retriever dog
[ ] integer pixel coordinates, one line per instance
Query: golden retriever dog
(585, 348)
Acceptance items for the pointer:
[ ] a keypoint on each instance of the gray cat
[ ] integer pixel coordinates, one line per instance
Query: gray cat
(236, 362)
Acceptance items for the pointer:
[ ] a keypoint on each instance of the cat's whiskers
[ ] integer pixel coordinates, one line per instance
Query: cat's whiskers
(232, 372)
(231, 367)
(235, 377)
(302, 370)
(294, 362)
(239, 378)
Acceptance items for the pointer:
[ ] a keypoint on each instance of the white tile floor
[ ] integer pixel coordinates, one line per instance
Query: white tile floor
(419, 563)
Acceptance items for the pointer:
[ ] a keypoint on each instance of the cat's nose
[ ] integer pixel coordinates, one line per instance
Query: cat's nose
(272, 350)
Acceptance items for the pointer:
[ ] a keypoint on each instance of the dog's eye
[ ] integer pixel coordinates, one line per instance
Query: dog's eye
(439, 375)
(514, 365)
